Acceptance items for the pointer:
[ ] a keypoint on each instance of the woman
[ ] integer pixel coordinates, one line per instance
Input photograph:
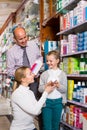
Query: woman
(25, 106)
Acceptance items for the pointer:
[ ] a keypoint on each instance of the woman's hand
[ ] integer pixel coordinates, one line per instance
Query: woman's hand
(49, 87)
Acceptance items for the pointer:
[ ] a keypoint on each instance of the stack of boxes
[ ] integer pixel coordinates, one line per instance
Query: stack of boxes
(77, 91)
(71, 65)
(74, 115)
(74, 17)
(69, 45)
(74, 43)
(62, 3)
(82, 41)
(84, 121)
(77, 117)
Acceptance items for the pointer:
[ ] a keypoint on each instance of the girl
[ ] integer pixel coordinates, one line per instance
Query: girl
(51, 113)
(24, 104)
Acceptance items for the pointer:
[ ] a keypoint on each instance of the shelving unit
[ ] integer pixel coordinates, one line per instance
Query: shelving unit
(67, 125)
(55, 16)
(69, 7)
(76, 29)
(74, 54)
(50, 29)
(49, 26)
(76, 77)
(6, 41)
(77, 103)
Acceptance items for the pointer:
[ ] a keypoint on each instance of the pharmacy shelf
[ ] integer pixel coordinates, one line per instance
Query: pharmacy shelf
(77, 103)
(82, 77)
(76, 29)
(68, 6)
(74, 53)
(81, 27)
(69, 126)
(54, 18)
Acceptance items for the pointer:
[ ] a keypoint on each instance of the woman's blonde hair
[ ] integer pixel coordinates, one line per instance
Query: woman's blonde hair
(19, 74)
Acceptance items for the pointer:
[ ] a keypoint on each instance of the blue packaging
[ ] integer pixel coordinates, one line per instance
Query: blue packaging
(85, 47)
(80, 35)
(85, 34)
(85, 42)
(80, 44)
(80, 48)
(81, 39)
(49, 46)
(75, 20)
(85, 39)
(85, 13)
(71, 22)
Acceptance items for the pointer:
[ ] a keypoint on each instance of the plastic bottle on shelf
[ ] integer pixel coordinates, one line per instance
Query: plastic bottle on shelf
(74, 92)
(82, 92)
(82, 64)
(85, 63)
(78, 91)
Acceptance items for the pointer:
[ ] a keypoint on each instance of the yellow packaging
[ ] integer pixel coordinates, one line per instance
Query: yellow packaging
(70, 89)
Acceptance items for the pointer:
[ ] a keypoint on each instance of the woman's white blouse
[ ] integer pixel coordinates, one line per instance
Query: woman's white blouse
(25, 107)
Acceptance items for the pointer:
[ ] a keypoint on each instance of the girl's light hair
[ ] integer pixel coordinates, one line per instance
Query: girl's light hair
(19, 74)
(55, 53)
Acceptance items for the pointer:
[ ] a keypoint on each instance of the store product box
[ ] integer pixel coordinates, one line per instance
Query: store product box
(85, 13)
(36, 66)
(84, 123)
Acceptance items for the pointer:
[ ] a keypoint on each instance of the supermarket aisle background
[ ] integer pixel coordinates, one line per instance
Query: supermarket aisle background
(5, 123)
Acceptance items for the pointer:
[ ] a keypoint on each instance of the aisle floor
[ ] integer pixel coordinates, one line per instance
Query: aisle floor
(5, 123)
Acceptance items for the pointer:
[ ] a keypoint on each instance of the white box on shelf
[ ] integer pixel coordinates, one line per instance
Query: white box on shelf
(84, 123)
